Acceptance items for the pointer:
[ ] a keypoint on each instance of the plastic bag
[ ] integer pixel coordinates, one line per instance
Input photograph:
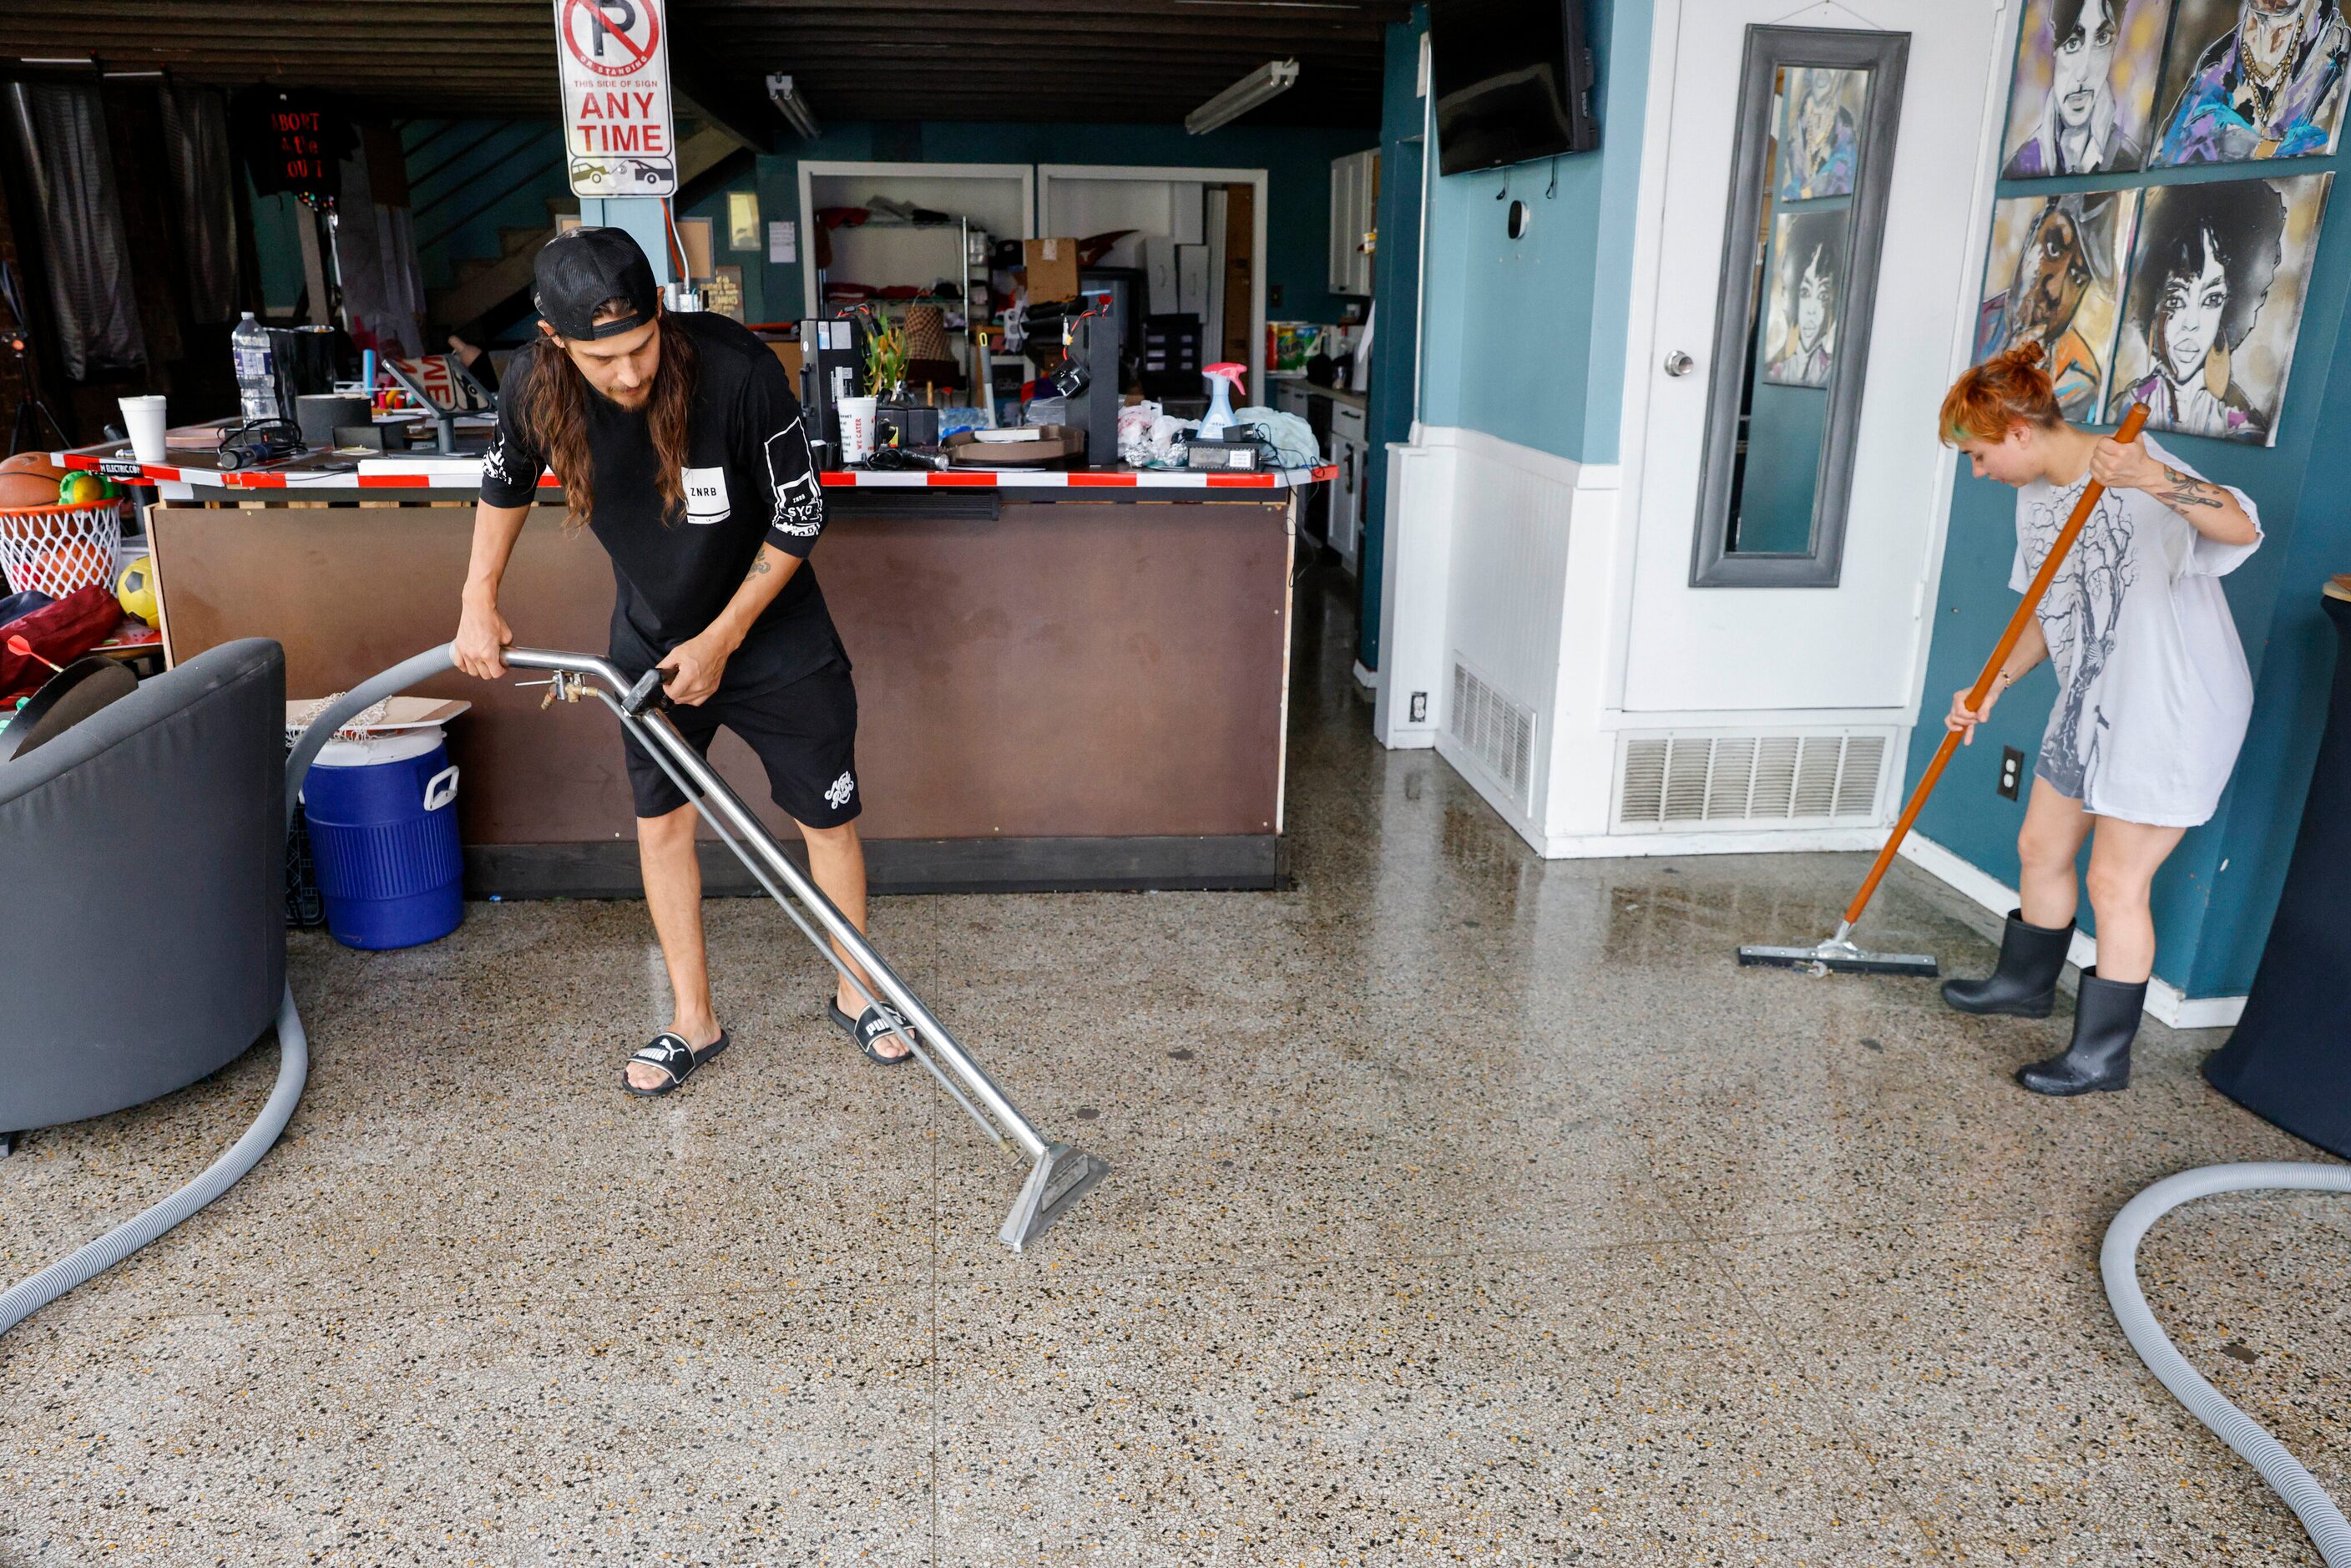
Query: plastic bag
(61, 631)
(1291, 436)
(1134, 422)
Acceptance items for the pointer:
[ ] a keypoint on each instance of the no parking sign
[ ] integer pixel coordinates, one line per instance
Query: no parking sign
(614, 58)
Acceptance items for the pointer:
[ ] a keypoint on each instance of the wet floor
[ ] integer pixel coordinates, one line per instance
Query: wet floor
(1466, 1208)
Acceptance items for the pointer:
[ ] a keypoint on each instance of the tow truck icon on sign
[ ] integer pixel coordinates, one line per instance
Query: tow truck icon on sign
(587, 173)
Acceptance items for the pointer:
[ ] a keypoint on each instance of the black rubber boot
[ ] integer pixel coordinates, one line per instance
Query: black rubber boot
(2105, 1021)
(2024, 986)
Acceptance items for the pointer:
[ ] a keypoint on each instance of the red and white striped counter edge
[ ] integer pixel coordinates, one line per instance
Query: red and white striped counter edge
(389, 475)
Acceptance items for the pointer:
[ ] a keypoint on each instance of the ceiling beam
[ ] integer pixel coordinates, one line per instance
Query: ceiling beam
(1084, 61)
(720, 98)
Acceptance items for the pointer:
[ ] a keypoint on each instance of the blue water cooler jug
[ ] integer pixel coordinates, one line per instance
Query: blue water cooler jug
(383, 836)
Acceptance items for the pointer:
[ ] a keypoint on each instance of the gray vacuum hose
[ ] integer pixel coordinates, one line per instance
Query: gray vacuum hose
(21, 1300)
(2118, 1263)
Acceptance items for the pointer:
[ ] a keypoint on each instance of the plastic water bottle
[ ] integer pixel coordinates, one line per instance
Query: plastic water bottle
(256, 370)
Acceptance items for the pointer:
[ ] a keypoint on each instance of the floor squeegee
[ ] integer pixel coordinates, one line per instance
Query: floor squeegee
(1840, 952)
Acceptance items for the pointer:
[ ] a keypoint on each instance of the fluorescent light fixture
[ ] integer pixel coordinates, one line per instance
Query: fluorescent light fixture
(1268, 82)
(792, 105)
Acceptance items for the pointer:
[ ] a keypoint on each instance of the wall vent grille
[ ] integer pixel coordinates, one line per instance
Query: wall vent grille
(1495, 730)
(1683, 781)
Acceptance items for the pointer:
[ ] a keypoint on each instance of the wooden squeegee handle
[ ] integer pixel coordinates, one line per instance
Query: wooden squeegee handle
(2132, 423)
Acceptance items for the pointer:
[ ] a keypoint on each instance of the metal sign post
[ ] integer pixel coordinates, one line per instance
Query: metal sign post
(614, 57)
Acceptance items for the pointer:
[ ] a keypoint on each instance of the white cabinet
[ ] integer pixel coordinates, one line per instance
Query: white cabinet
(1350, 490)
(1355, 203)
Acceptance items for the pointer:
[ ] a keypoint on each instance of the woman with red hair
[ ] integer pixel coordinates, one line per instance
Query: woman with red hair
(2153, 696)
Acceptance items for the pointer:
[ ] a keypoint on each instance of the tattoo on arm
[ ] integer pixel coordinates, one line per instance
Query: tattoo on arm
(2186, 492)
(759, 568)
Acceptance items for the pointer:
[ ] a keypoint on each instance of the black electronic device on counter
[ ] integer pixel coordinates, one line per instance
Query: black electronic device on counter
(257, 441)
(308, 362)
(1513, 81)
(1093, 407)
(1238, 449)
(833, 367)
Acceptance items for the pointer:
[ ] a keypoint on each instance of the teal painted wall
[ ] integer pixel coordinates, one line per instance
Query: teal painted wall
(276, 249)
(1519, 338)
(470, 178)
(1396, 286)
(1524, 339)
(2214, 897)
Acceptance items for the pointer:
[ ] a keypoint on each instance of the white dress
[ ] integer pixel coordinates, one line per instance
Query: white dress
(2152, 692)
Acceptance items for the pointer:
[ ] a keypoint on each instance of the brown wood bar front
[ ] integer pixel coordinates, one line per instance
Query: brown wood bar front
(1052, 694)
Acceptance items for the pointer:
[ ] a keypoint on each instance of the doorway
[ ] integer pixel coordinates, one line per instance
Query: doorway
(1199, 241)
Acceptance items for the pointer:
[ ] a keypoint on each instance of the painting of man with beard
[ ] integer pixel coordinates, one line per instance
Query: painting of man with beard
(2060, 262)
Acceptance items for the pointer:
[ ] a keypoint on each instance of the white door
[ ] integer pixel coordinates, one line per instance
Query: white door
(1853, 646)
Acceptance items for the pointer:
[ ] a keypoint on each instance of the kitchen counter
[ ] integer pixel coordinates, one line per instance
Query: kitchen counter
(1066, 680)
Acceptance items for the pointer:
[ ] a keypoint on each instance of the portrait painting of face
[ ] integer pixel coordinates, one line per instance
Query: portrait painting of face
(1806, 278)
(2084, 87)
(2246, 79)
(2055, 274)
(1816, 132)
(2218, 277)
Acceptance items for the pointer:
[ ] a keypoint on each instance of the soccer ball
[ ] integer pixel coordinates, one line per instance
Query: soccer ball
(136, 588)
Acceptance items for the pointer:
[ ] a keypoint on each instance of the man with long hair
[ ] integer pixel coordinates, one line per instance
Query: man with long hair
(678, 444)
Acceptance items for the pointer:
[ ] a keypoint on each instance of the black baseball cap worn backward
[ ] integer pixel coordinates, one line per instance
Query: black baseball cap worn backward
(577, 271)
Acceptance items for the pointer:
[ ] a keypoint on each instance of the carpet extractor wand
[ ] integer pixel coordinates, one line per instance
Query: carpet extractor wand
(1840, 952)
(1058, 1175)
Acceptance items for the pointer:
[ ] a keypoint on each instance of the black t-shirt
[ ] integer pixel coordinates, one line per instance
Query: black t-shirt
(749, 481)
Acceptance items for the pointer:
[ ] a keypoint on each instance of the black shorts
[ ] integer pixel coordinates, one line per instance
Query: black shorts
(804, 733)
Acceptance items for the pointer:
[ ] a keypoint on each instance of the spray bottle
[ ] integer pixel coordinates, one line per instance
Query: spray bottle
(1222, 381)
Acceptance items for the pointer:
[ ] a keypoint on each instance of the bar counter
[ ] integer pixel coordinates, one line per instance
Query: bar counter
(1065, 680)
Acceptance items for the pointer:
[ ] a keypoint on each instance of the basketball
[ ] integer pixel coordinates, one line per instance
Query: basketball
(22, 487)
(33, 463)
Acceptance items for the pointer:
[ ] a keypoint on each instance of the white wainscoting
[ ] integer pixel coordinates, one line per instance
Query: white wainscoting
(1478, 577)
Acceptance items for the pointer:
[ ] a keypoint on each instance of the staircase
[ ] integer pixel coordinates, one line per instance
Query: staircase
(482, 285)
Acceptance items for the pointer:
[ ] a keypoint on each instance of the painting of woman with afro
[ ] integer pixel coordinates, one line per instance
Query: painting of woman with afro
(2215, 305)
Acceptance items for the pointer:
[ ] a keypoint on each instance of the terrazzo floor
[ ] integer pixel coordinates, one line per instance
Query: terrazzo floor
(1466, 1208)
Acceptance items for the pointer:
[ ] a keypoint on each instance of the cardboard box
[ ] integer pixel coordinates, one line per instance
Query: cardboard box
(1052, 269)
(789, 356)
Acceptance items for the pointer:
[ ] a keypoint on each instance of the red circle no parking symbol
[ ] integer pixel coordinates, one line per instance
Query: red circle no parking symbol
(611, 38)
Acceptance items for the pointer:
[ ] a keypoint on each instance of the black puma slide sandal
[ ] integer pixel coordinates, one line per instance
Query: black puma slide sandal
(871, 1026)
(669, 1052)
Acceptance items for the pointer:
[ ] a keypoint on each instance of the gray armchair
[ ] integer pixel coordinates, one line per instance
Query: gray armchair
(141, 866)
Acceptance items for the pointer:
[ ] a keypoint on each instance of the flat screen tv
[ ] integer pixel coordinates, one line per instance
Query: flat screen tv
(1513, 81)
